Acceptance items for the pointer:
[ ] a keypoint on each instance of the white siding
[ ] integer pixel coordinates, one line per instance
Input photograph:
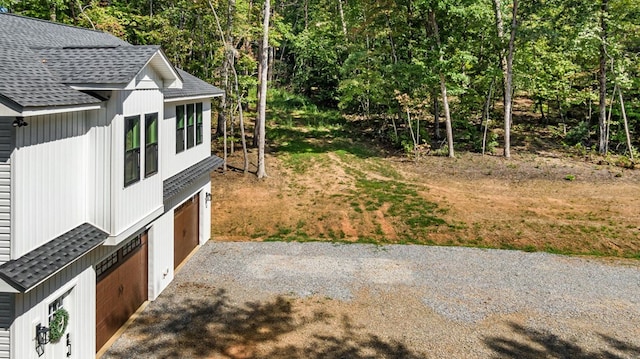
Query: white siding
(173, 162)
(6, 318)
(6, 146)
(161, 237)
(48, 176)
(99, 166)
(160, 254)
(205, 214)
(32, 308)
(133, 203)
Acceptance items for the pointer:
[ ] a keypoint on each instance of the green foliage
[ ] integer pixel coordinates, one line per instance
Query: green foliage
(578, 135)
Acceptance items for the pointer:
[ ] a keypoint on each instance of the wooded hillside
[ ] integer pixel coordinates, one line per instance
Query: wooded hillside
(424, 72)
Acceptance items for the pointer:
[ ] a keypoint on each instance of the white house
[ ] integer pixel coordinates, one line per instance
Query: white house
(105, 162)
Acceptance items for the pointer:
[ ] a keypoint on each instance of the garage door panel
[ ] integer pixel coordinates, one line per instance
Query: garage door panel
(121, 292)
(185, 230)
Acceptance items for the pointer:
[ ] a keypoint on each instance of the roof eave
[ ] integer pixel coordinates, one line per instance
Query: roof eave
(50, 110)
(9, 287)
(191, 98)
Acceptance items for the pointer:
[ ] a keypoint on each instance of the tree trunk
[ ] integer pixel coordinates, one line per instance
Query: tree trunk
(443, 89)
(506, 63)
(626, 125)
(344, 23)
(602, 76)
(436, 115)
(262, 107)
(508, 87)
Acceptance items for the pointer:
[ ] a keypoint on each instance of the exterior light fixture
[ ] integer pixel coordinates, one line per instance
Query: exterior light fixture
(19, 122)
(207, 199)
(42, 338)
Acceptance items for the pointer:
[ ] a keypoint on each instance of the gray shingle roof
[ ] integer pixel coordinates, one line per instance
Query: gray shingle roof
(26, 31)
(26, 82)
(34, 267)
(74, 56)
(178, 182)
(96, 65)
(192, 86)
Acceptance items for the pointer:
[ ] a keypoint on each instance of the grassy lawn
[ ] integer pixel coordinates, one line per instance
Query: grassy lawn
(330, 180)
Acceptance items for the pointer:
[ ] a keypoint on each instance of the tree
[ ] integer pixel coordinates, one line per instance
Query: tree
(506, 63)
(262, 106)
(602, 78)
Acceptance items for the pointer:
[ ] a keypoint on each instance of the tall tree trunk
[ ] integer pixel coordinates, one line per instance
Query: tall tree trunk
(443, 88)
(344, 23)
(602, 77)
(262, 107)
(508, 83)
(227, 64)
(506, 64)
(626, 126)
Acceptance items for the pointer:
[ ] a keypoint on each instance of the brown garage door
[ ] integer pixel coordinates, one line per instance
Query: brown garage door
(121, 289)
(185, 229)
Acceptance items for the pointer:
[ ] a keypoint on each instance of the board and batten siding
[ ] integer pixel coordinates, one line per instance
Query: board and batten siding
(6, 147)
(49, 163)
(78, 281)
(99, 166)
(172, 162)
(134, 203)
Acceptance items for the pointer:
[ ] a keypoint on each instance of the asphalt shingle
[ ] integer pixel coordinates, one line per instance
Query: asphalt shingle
(192, 86)
(96, 65)
(32, 268)
(178, 182)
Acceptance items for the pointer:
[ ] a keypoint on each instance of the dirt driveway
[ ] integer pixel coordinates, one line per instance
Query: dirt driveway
(323, 300)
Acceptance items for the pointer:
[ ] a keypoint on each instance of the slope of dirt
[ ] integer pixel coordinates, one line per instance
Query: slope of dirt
(530, 202)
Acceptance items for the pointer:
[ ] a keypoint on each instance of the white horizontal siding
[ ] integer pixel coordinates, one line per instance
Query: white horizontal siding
(172, 162)
(6, 318)
(6, 147)
(49, 164)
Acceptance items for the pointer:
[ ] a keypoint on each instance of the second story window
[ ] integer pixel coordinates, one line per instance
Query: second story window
(198, 123)
(151, 144)
(131, 150)
(189, 123)
(180, 128)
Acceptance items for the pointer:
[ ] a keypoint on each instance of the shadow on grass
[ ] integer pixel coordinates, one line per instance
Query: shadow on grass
(537, 344)
(178, 326)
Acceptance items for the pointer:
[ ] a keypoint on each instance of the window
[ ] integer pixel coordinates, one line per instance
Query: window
(151, 144)
(106, 264)
(198, 123)
(131, 150)
(179, 128)
(110, 263)
(189, 126)
(54, 307)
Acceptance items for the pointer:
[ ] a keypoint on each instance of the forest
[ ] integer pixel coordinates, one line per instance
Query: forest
(425, 75)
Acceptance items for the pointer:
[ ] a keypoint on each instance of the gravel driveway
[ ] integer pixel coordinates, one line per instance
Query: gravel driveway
(323, 300)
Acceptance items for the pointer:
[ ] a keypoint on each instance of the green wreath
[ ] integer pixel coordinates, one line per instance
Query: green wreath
(58, 325)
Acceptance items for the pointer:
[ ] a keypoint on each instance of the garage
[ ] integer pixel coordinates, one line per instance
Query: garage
(185, 229)
(121, 287)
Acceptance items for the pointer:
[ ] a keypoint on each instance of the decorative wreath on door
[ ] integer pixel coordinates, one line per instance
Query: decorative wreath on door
(58, 325)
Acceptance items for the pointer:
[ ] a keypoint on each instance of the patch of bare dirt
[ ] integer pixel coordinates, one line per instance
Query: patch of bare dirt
(532, 202)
